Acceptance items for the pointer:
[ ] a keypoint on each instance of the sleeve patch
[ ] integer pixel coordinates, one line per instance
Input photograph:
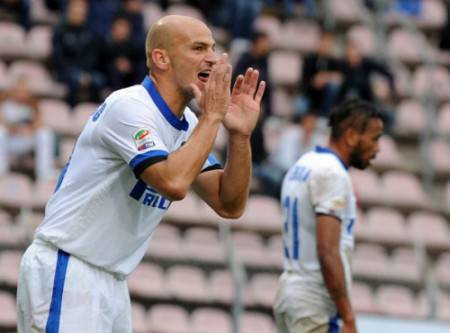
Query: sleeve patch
(143, 139)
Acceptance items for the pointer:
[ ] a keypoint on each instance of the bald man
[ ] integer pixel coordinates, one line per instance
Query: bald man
(142, 149)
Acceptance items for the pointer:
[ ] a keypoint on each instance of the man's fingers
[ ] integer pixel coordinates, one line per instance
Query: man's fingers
(253, 82)
(260, 91)
(227, 76)
(238, 85)
(197, 92)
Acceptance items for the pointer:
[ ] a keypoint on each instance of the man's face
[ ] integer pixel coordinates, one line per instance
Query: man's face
(367, 147)
(76, 13)
(192, 57)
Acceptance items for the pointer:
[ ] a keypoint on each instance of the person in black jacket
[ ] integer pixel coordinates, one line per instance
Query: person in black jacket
(76, 54)
(321, 79)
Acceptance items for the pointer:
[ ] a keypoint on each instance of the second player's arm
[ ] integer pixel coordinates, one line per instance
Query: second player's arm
(328, 249)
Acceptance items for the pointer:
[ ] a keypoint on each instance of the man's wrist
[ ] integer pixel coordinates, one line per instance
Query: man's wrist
(236, 137)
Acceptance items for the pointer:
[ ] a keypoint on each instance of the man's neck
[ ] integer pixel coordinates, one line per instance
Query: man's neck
(172, 96)
(340, 151)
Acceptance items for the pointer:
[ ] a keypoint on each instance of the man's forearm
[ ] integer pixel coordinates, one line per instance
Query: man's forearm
(334, 277)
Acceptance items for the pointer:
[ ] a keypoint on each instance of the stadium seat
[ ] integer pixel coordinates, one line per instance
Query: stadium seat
(166, 244)
(187, 283)
(10, 263)
(442, 269)
(164, 318)
(30, 222)
(370, 262)
(362, 298)
(207, 320)
(55, 114)
(5, 218)
(12, 40)
(389, 156)
(347, 11)
(447, 197)
(262, 213)
(152, 12)
(270, 25)
(285, 68)
(66, 146)
(443, 120)
(366, 186)
(81, 114)
(403, 80)
(364, 37)
(40, 14)
(221, 286)
(138, 316)
(385, 225)
(202, 244)
(288, 36)
(148, 281)
(15, 191)
(396, 301)
(186, 10)
(407, 46)
(42, 191)
(275, 250)
(186, 211)
(410, 118)
(429, 228)
(256, 322)
(403, 189)
(282, 103)
(4, 79)
(443, 308)
(405, 266)
(262, 289)
(39, 42)
(431, 80)
(249, 249)
(433, 14)
(11, 235)
(8, 314)
(440, 156)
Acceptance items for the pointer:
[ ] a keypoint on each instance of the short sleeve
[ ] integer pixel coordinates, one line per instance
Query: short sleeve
(129, 130)
(211, 163)
(328, 193)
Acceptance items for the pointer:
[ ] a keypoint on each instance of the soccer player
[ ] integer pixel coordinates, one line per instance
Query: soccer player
(319, 212)
(141, 150)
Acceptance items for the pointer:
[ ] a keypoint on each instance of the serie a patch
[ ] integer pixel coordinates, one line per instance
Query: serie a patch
(143, 139)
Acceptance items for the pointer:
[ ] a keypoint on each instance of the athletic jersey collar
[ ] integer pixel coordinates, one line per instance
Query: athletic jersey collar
(179, 124)
(326, 150)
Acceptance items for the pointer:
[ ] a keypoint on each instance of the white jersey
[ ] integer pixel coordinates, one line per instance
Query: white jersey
(319, 183)
(101, 212)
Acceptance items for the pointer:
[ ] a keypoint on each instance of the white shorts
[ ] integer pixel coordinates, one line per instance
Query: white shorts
(59, 293)
(314, 324)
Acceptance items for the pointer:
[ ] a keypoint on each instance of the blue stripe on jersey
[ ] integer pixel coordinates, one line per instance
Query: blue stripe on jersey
(212, 160)
(350, 226)
(57, 293)
(295, 229)
(138, 159)
(138, 190)
(179, 124)
(327, 150)
(333, 326)
(61, 176)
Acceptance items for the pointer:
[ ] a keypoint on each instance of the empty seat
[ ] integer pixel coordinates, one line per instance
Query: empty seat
(410, 118)
(11, 235)
(166, 243)
(443, 308)
(207, 320)
(433, 14)
(403, 81)
(8, 315)
(275, 251)
(443, 120)
(396, 301)
(407, 46)
(370, 261)
(262, 213)
(12, 40)
(263, 288)
(186, 211)
(405, 266)
(431, 80)
(429, 228)
(364, 37)
(252, 322)
(202, 244)
(10, 263)
(81, 114)
(168, 319)
(139, 320)
(186, 10)
(42, 191)
(55, 114)
(389, 156)
(440, 156)
(152, 12)
(269, 24)
(403, 189)
(347, 11)
(249, 248)
(288, 36)
(15, 191)
(285, 68)
(39, 42)
(187, 283)
(282, 103)
(442, 269)
(366, 185)
(385, 225)
(148, 281)
(66, 146)
(362, 298)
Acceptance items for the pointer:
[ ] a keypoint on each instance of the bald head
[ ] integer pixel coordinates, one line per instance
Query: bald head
(170, 30)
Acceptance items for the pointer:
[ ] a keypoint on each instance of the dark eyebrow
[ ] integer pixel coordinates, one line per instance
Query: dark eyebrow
(204, 44)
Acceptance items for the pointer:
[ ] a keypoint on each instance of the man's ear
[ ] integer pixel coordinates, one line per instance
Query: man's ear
(351, 137)
(160, 59)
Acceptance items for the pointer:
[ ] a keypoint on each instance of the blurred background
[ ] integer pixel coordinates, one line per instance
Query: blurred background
(60, 58)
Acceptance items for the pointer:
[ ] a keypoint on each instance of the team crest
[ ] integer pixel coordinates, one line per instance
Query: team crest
(143, 139)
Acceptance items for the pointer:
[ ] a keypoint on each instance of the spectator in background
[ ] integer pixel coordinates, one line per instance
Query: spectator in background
(76, 54)
(132, 11)
(22, 134)
(321, 79)
(123, 59)
(20, 9)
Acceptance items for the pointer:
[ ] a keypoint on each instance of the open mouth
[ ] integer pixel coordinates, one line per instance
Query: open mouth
(204, 76)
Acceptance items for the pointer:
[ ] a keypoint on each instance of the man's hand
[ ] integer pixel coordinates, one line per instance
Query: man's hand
(245, 104)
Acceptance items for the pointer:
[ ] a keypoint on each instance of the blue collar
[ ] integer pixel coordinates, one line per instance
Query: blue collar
(326, 150)
(179, 124)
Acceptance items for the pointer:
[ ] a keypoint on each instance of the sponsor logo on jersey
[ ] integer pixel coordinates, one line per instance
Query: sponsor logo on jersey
(143, 139)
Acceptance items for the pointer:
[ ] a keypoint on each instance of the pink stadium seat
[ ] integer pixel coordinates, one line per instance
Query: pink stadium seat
(440, 156)
(42, 191)
(422, 306)
(221, 286)
(81, 114)
(39, 42)
(10, 263)
(403, 189)
(442, 269)
(275, 250)
(270, 25)
(396, 301)
(288, 37)
(5, 218)
(15, 191)
(431, 80)
(429, 228)
(4, 79)
(148, 281)
(168, 319)
(30, 222)
(138, 316)
(362, 298)
(407, 46)
(403, 81)
(263, 288)
(40, 14)
(202, 244)
(11, 235)
(443, 120)
(404, 266)
(12, 40)
(186, 211)
(256, 322)
(410, 118)
(389, 156)
(249, 248)
(366, 186)
(152, 12)
(385, 225)
(55, 114)
(443, 308)
(207, 320)
(166, 243)
(262, 213)
(8, 314)
(347, 11)
(187, 283)
(285, 68)
(370, 261)
(282, 103)
(433, 14)
(447, 197)
(364, 37)
(183, 9)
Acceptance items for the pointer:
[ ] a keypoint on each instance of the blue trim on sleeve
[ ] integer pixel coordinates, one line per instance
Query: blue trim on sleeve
(212, 160)
(54, 315)
(179, 124)
(326, 150)
(138, 159)
(333, 325)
